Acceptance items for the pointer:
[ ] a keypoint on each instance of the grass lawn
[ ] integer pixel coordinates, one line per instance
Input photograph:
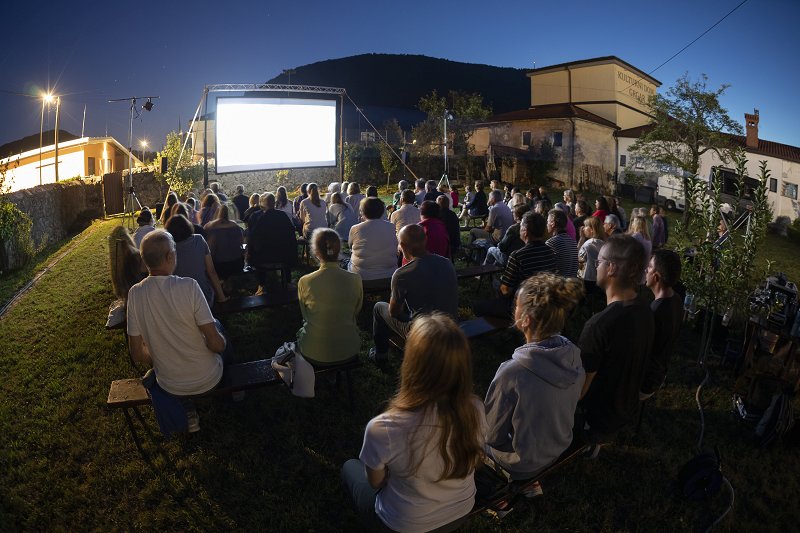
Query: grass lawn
(272, 462)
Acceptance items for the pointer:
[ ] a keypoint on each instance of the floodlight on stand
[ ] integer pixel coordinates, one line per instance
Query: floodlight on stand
(148, 105)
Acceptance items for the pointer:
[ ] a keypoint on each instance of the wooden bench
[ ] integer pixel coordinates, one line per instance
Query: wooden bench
(130, 394)
(502, 502)
(242, 304)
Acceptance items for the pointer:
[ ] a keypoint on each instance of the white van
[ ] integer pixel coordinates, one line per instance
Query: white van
(669, 192)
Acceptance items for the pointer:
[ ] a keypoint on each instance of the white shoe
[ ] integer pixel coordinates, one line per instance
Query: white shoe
(193, 420)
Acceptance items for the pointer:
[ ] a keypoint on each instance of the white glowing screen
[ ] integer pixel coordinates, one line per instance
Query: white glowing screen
(275, 133)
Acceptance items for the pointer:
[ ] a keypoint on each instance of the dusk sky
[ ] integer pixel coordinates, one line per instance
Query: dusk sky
(92, 51)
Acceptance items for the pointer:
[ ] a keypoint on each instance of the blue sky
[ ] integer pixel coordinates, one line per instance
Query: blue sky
(92, 51)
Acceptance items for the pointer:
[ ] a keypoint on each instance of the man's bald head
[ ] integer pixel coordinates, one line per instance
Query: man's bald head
(412, 240)
(155, 248)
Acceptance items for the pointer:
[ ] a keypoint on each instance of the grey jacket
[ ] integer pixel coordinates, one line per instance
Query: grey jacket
(530, 405)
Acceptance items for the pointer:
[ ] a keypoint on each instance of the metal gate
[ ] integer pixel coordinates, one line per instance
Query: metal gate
(113, 193)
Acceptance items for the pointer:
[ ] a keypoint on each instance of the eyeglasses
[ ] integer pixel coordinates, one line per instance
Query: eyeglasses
(598, 262)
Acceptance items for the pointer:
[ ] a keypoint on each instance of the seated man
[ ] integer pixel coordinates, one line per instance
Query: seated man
(272, 240)
(407, 213)
(511, 241)
(612, 225)
(534, 257)
(402, 185)
(563, 245)
(498, 221)
(170, 325)
(450, 220)
(662, 274)
(427, 283)
(373, 243)
(616, 342)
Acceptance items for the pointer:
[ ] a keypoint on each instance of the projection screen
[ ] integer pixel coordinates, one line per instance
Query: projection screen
(274, 133)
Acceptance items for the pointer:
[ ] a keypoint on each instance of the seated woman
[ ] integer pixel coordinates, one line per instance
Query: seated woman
(183, 209)
(450, 220)
(372, 192)
(354, 196)
(126, 265)
(209, 210)
(313, 212)
(330, 299)
(272, 240)
(225, 239)
(166, 211)
(373, 243)
(341, 216)
(146, 225)
(437, 239)
(254, 207)
(415, 469)
(194, 259)
(593, 236)
(282, 202)
(530, 404)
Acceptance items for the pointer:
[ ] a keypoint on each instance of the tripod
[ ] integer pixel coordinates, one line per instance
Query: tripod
(131, 197)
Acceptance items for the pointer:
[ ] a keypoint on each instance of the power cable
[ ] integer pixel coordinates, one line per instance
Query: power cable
(676, 54)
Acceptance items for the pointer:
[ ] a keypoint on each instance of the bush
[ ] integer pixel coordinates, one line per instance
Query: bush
(16, 246)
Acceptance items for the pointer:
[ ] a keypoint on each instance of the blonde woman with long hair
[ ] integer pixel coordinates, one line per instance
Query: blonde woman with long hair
(416, 466)
(594, 235)
(530, 404)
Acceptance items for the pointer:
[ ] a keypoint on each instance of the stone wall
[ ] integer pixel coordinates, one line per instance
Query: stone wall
(148, 188)
(262, 181)
(58, 209)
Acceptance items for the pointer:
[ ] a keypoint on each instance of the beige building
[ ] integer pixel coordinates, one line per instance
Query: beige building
(86, 156)
(577, 107)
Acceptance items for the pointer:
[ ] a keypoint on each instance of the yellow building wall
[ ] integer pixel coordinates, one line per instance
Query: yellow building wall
(608, 90)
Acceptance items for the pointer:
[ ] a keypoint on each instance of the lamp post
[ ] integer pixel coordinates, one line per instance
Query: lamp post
(447, 116)
(58, 112)
(144, 145)
(46, 99)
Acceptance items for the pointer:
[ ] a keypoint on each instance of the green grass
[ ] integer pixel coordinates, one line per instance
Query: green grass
(272, 462)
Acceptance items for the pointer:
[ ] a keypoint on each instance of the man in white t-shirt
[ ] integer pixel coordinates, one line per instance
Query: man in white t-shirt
(408, 213)
(171, 326)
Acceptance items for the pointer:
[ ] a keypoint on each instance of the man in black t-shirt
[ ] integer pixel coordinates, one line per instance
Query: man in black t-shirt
(663, 272)
(616, 342)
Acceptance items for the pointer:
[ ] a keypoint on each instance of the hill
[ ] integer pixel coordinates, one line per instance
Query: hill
(32, 142)
(392, 84)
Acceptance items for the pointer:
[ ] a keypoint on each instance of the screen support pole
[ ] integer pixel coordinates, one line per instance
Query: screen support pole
(341, 138)
(205, 142)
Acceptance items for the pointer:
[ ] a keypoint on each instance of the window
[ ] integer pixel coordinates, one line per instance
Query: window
(557, 138)
(526, 138)
(90, 163)
(790, 190)
(773, 185)
(623, 160)
(368, 136)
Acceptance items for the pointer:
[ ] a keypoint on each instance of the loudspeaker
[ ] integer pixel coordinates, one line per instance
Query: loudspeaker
(163, 165)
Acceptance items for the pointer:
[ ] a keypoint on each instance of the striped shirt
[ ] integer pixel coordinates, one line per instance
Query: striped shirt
(534, 257)
(566, 251)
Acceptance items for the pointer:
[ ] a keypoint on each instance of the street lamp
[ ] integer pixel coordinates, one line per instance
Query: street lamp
(46, 99)
(143, 142)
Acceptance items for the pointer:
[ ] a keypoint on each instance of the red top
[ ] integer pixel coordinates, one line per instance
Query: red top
(454, 196)
(601, 214)
(436, 232)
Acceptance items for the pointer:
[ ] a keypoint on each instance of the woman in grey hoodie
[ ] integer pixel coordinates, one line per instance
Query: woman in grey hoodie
(530, 404)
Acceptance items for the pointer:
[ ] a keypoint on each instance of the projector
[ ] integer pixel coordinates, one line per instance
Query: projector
(778, 297)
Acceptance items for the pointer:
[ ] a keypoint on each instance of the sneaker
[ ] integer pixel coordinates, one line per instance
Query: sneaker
(237, 396)
(193, 420)
(378, 358)
(534, 490)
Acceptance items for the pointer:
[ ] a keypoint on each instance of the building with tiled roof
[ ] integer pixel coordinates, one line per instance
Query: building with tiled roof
(577, 107)
(783, 162)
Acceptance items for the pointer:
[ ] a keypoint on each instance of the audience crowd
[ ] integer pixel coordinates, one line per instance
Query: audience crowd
(415, 470)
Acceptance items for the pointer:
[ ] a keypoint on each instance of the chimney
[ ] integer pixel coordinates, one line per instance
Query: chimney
(751, 122)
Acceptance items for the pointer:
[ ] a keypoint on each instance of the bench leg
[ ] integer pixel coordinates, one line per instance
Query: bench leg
(134, 434)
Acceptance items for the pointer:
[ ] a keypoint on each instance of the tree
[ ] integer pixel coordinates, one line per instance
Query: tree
(182, 175)
(687, 122)
(393, 145)
(467, 109)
